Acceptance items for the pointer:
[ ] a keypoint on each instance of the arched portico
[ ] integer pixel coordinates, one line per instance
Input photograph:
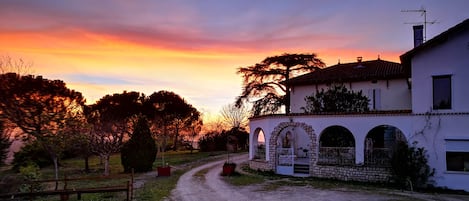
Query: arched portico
(380, 143)
(336, 146)
(293, 148)
(258, 143)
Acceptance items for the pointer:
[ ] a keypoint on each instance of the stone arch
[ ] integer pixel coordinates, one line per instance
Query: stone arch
(275, 136)
(258, 143)
(336, 146)
(380, 142)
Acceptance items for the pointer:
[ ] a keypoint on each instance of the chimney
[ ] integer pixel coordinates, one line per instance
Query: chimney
(418, 35)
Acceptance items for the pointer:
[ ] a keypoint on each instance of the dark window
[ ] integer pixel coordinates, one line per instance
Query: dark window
(442, 92)
(457, 161)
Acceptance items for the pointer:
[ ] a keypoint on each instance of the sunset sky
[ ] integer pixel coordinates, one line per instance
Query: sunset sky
(194, 47)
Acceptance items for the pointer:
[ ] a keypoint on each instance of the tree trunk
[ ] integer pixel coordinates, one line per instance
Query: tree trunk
(287, 91)
(87, 164)
(176, 136)
(106, 164)
(56, 167)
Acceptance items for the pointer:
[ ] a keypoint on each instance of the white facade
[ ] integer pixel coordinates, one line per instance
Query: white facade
(444, 133)
(385, 94)
(450, 58)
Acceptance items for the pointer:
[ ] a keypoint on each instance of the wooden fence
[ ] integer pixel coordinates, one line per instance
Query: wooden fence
(67, 188)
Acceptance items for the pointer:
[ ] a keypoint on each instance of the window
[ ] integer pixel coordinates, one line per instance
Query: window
(442, 92)
(375, 99)
(457, 161)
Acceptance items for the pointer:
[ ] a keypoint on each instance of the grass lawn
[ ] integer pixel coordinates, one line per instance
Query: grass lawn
(153, 189)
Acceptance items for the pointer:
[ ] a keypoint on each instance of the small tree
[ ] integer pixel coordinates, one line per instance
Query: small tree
(410, 165)
(139, 152)
(336, 99)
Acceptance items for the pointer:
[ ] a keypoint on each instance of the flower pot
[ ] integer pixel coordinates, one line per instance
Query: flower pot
(229, 169)
(164, 171)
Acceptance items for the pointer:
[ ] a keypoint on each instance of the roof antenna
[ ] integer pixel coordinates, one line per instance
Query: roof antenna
(338, 61)
(379, 58)
(423, 12)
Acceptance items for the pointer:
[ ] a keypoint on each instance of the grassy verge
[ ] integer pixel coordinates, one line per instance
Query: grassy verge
(154, 188)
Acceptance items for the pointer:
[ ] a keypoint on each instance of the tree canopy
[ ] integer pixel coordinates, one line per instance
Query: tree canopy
(111, 120)
(265, 82)
(41, 108)
(170, 115)
(336, 99)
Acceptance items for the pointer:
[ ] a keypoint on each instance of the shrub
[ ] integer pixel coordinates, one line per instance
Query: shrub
(30, 172)
(410, 164)
(31, 153)
(139, 152)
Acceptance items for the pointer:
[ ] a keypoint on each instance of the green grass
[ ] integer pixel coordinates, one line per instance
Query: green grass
(154, 188)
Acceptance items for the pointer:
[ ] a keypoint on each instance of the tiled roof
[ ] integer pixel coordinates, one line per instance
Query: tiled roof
(352, 72)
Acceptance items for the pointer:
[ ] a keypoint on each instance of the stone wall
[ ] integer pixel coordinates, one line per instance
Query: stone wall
(352, 173)
(260, 165)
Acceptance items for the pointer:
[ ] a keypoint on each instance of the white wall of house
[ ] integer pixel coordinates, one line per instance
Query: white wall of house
(359, 125)
(449, 58)
(389, 94)
(436, 133)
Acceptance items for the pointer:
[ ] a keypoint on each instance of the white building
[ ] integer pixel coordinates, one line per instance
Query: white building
(424, 100)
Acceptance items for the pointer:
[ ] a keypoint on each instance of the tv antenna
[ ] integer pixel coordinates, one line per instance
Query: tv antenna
(423, 12)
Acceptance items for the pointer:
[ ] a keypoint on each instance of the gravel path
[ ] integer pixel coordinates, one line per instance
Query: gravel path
(205, 183)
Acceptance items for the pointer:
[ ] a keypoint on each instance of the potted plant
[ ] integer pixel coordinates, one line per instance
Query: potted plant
(228, 168)
(164, 169)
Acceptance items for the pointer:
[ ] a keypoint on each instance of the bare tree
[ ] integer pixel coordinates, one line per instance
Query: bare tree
(235, 116)
(18, 66)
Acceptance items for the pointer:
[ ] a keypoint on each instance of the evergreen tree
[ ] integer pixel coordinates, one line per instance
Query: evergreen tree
(139, 152)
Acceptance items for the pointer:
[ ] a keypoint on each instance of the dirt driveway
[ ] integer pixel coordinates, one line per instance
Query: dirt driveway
(205, 183)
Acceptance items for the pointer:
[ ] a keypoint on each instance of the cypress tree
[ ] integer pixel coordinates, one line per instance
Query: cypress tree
(139, 152)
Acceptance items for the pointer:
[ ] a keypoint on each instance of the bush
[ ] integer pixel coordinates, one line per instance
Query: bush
(139, 152)
(31, 153)
(213, 141)
(30, 172)
(410, 164)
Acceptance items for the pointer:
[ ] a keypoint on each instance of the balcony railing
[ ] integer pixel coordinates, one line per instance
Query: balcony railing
(378, 157)
(336, 155)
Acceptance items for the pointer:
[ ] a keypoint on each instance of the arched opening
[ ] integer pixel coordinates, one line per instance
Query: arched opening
(380, 143)
(336, 146)
(294, 148)
(259, 144)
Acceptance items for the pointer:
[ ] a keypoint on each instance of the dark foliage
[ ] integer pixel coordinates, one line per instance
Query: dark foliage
(171, 116)
(31, 153)
(139, 152)
(336, 99)
(410, 164)
(4, 144)
(337, 136)
(235, 138)
(266, 81)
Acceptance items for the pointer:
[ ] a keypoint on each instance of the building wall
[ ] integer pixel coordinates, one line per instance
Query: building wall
(448, 58)
(431, 131)
(394, 94)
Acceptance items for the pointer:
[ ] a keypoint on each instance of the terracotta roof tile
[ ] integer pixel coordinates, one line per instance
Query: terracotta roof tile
(352, 72)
